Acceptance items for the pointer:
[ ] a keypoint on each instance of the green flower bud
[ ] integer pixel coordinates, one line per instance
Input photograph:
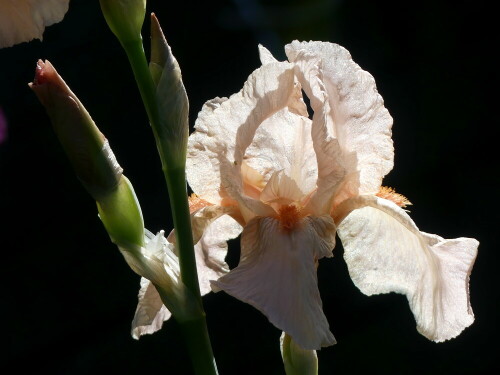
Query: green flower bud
(171, 97)
(124, 18)
(122, 216)
(297, 361)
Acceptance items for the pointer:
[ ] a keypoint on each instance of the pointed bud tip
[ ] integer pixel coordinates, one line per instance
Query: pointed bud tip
(43, 72)
(160, 50)
(156, 30)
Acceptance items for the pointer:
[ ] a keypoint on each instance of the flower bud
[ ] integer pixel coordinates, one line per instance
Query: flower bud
(85, 146)
(297, 361)
(121, 215)
(171, 97)
(91, 157)
(124, 18)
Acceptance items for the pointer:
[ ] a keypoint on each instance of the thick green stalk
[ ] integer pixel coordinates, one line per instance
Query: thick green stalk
(175, 177)
(176, 183)
(195, 331)
(196, 337)
(138, 61)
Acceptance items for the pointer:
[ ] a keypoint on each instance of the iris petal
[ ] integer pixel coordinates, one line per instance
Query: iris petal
(277, 275)
(385, 252)
(24, 20)
(355, 114)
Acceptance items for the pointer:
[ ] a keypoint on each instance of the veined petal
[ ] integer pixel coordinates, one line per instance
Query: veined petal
(24, 20)
(327, 149)
(212, 228)
(283, 142)
(277, 275)
(281, 189)
(158, 263)
(203, 162)
(385, 252)
(265, 55)
(150, 313)
(203, 218)
(211, 251)
(356, 114)
(226, 128)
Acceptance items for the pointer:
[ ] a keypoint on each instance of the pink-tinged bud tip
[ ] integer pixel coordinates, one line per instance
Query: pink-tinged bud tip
(43, 72)
(39, 73)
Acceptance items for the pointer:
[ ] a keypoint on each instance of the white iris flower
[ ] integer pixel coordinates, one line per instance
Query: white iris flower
(290, 183)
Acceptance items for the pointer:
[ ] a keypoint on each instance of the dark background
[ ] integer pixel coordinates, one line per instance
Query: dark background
(69, 297)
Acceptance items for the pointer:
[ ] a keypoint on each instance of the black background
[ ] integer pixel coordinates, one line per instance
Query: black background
(69, 297)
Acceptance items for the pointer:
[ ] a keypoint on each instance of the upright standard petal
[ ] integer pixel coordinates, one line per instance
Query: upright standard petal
(265, 55)
(356, 114)
(277, 275)
(226, 128)
(326, 147)
(283, 142)
(24, 20)
(385, 252)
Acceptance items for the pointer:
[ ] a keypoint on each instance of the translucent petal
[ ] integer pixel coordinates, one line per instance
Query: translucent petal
(385, 252)
(158, 265)
(265, 55)
(281, 189)
(225, 129)
(283, 142)
(211, 251)
(201, 219)
(150, 313)
(24, 20)
(355, 113)
(327, 150)
(277, 275)
(203, 158)
(212, 228)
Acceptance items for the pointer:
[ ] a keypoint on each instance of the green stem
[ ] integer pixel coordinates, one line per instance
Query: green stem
(140, 68)
(176, 183)
(175, 177)
(195, 331)
(195, 335)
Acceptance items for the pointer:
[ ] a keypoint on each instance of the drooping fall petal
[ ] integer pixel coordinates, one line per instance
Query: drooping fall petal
(277, 275)
(150, 313)
(210, 251)
(385, 252)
